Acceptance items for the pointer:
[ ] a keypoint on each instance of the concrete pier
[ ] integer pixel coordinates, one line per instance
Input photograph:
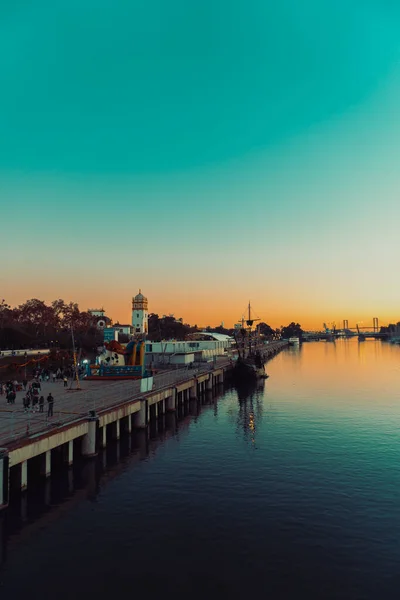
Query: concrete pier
(45, 464)
(170, 402)
(141, 415)
(193, 391)
(116, 429)
(103, 437)
(70, 453)
(209, 385)
(24, 475)
(89, 440)
(4, 478)
(86, 415)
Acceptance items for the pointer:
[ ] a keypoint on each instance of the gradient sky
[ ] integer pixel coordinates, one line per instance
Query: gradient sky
(207, 152)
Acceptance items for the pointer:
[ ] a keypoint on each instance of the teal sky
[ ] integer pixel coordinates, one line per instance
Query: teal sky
(248, 148)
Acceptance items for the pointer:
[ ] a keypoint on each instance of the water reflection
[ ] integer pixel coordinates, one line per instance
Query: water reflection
(250, 397)
(313, 512)
(48, 500)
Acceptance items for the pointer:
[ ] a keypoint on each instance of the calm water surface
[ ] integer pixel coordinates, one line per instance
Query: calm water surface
(290, 491)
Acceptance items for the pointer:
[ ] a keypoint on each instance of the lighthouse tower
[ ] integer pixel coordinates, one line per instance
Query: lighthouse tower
(140, 314)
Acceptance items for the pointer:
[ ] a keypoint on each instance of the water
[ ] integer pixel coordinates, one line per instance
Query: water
(292, 492)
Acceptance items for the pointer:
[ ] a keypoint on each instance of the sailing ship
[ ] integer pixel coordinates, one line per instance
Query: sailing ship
(250, 364)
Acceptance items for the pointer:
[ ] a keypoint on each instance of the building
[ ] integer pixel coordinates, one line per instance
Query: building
(183, 353)
(140, 314)
(124, 329)
(99, 316)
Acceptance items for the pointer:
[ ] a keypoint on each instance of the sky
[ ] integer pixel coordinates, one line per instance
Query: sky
(208, 152)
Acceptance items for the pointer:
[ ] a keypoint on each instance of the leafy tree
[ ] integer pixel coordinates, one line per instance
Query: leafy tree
(292, 330)
(266, 330)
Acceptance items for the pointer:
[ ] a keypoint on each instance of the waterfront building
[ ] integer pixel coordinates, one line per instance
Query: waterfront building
(182, 353)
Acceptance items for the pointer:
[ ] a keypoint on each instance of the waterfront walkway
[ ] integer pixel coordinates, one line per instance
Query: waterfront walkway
(84, 418)
(72, 404)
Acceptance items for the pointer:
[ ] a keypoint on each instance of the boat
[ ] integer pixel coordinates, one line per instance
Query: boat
(250, 364)
(294, 341)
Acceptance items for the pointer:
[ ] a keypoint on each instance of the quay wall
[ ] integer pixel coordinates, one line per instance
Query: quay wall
(93, 428)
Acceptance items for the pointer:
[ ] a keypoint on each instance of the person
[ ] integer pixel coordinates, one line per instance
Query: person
(25, 402)
(41, 403)
(50, 401)
(53, 375)
(24, 383)
(65, 381)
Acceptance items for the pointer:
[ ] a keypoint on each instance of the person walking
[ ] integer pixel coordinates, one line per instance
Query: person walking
(41, 403)
(24, 383)
(65, 381)
(53, 375)
(50, 401)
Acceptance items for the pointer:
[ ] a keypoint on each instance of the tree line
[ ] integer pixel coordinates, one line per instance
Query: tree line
(37, 324)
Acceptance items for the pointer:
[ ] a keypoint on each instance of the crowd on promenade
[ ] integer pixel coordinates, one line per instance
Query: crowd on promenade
(33, 400)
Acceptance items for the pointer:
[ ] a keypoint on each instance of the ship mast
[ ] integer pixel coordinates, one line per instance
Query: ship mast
(250, 322)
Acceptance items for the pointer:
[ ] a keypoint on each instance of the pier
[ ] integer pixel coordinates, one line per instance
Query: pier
(85, 419)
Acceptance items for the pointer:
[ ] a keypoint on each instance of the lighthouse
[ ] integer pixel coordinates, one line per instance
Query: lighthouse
(140, 314)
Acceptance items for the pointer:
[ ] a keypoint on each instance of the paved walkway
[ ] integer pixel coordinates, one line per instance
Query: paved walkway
(71, 404)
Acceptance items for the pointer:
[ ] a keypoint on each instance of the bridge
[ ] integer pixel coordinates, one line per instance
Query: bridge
(362, 331)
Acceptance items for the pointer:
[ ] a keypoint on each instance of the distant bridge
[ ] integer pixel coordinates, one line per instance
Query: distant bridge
(362, 331)
(340, 333)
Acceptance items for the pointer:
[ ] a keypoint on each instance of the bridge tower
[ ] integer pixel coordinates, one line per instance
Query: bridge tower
(345, 323)
(375, 325)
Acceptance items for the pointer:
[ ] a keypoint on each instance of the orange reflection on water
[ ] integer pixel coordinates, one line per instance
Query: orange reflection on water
(365, 372)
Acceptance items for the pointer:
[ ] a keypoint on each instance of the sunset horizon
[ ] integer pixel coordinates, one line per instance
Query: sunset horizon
(121, 312)
(239, 168)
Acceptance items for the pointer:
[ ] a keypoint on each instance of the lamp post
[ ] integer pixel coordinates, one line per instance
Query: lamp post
(75, 361)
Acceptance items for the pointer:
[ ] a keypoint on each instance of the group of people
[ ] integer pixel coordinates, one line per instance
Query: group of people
(37, 403)
(54, 376)
(33, 401)
(9, 389)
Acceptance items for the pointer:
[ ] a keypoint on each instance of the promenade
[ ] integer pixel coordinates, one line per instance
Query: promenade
(84, 419)
(71, 404)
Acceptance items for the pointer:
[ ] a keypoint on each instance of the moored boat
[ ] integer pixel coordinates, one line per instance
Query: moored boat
(250, 364)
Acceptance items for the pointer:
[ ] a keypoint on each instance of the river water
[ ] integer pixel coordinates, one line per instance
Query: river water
(289, 490)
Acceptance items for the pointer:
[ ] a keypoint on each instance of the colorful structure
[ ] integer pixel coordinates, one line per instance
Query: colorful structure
(117, 362)
(140, 314)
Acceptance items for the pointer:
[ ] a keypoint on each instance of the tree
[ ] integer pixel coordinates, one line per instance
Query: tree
(292, 330)
(5, 313)
(266, 330)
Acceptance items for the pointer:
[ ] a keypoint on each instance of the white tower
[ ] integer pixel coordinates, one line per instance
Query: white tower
(140, 314)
